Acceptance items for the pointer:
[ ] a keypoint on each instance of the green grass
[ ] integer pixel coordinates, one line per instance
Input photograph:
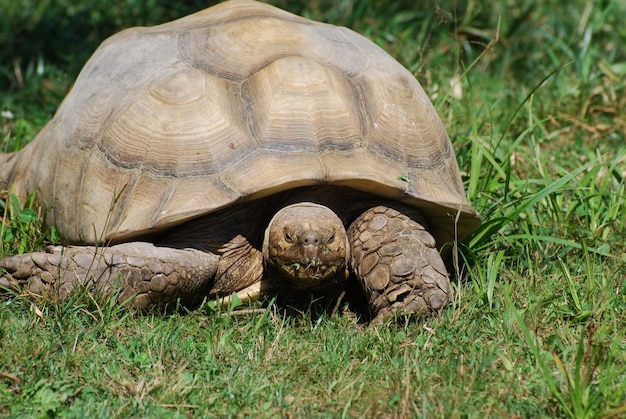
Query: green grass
(533, 94)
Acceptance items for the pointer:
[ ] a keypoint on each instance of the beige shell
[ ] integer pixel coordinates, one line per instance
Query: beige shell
(233, 103)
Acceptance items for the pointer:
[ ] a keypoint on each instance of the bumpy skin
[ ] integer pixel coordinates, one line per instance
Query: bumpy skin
(145, 274)
(398, 266)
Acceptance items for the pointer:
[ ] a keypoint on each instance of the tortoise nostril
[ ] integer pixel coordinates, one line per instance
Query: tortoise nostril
(311, 238)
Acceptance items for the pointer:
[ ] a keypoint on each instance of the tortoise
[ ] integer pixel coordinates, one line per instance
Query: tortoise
(243, 149)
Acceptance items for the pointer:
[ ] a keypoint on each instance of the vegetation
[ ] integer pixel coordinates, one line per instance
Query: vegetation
(533, 94)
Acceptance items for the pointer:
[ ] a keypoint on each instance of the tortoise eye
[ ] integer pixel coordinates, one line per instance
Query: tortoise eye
(331, 239)
(288, 237)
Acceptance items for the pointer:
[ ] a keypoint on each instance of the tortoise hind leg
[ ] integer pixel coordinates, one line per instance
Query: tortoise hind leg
(397, 264)
(146, 274)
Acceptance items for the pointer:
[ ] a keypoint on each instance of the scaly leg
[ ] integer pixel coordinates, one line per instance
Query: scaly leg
(146, 274)
(398, 265)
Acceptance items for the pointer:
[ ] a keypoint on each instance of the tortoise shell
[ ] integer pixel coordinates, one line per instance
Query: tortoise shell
(234, 103)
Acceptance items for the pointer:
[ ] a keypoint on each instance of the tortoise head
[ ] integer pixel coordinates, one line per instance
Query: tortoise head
(306, 247)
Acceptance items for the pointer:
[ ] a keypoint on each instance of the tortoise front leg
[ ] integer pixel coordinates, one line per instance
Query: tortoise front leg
(398, 266)
(146, 274)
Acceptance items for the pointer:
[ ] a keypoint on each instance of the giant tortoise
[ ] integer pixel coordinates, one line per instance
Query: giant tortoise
(243, 149)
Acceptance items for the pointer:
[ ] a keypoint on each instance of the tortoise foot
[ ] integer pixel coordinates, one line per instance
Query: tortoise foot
(143, 273)
(398, 265)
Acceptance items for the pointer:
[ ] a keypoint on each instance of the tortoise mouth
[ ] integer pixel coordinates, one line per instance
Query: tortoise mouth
(309, 275)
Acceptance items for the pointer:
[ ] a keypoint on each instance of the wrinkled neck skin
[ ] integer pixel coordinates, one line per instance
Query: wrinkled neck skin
(306, 247)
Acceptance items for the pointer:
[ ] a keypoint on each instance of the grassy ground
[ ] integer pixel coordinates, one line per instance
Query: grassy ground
(533, 94)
